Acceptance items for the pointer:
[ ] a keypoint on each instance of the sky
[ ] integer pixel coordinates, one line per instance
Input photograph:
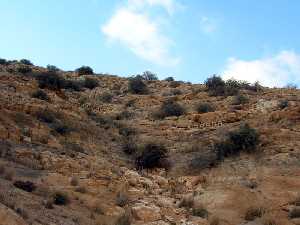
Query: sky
(190, 40)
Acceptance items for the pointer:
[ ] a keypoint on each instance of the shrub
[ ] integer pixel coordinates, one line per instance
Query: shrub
(106, 97)
(240, 100)
(52, 68)
(169, 79)
(90, 83)
(46, 116)
(244, 139)
(254, 212)
(60, 198)
(24, 69)
(149, 76)
(26, 62)
(174, 84)
(151, 156)
(283, 104)
(124, 115)
(127, 131)
(72, 85)
(26, 186)
(187, 201)
(85, 70)
(50, 80)
(40, 94)
(137, 86)
(169, 108)
(215, 85)
(81, 189)
(200, 211)
(204, 108)
(2, 168)
(61, 128)
(3, 61)
(129, 147)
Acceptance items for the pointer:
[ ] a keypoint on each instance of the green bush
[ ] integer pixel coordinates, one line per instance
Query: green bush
(26, 62)
(137, 86)
(169, 108)
(85, 70)
(52, 68)
(204, 108)
(90, 83)
(245, 139)
(40, 94)
(3, 61)
(152, 155)
(169, 79)
(24, 69)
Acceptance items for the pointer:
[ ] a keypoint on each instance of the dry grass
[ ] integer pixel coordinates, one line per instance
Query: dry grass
(214, 221)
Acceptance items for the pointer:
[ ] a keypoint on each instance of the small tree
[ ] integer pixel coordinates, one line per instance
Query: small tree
(169, 79)
(26, 62)
(52, 68)
(137, 86)
(204, 108)
(85, 70)
(3, 61)
(90, 83)
(149, 76)
(215, 85)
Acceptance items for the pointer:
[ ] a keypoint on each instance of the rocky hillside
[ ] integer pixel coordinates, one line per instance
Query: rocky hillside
(95, 149)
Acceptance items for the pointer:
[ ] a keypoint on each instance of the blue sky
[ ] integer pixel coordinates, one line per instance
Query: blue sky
(188, 39)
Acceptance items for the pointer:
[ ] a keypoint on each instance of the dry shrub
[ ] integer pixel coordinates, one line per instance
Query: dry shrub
(74, 181)
(254, 212)
(214, 221)
(187, 201)
(122, 199)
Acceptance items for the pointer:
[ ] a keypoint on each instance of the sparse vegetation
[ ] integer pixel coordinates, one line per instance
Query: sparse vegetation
(254, 212)
(3, 61)
(26, 62)
(204, 108)
(25, 185)
(244, 139)
(137, 86)
(85, 70)
(90, 83)
(74, 181)
(169, 108)
(24, 69)
(151, 156)
(283, 104)
(52, 68)
(169, 79)
(200, 211)
(106, 97)
(149, 76)
(40, 94)
(9, 174)
(60, 198)
(240, 100)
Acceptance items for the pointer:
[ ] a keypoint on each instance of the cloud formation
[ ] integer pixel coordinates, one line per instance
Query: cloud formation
(275, 71)
(132, 27)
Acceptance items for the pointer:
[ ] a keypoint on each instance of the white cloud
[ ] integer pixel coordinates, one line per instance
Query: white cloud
(273, 71)
(132, 27)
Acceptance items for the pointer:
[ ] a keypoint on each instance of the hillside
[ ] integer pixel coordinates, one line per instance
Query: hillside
(71, 151)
